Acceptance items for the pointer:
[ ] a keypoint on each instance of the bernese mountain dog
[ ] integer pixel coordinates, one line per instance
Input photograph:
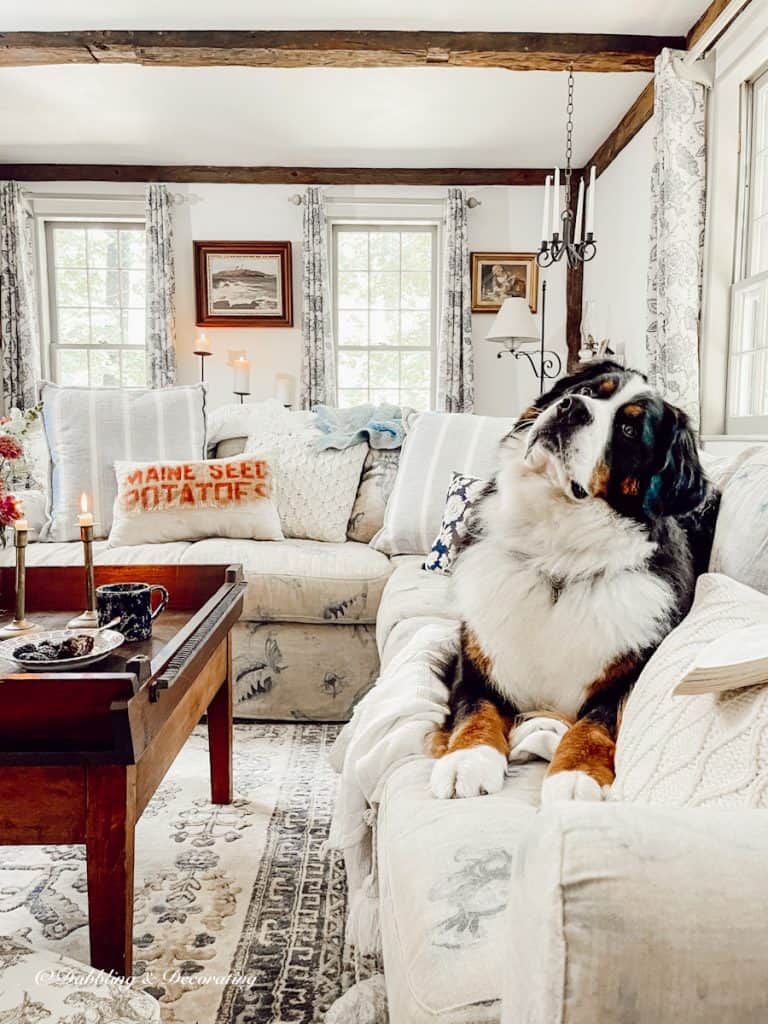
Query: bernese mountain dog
(582, 555)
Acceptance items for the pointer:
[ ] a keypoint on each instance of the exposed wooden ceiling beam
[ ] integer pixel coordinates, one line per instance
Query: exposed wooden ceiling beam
(638, 114)
(276, 175)
(707, 19)
(517, 51)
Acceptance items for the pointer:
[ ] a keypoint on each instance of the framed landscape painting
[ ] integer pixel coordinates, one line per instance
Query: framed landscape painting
(503, 275)
(243, 284)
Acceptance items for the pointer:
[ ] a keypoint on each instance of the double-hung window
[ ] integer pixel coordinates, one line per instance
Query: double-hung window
(384, 305)
(747, 406)
(96, 299)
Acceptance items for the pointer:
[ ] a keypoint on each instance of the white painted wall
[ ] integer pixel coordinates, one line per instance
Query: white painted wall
(616, 279)
(508, 220)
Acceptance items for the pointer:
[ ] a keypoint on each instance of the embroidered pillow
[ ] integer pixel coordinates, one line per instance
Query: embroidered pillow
(459, 502)
(159, 502)
(379, 472)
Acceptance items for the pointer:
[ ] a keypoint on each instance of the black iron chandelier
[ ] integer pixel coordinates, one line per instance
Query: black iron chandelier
(561, 233)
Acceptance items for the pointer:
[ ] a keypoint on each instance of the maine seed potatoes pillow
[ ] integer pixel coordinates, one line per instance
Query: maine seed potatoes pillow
(159, 502)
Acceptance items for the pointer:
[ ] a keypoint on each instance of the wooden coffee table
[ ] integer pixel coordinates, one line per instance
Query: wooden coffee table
(82, 754)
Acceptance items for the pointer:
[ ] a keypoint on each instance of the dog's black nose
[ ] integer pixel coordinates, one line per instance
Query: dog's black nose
(565, 404)
(573, 412)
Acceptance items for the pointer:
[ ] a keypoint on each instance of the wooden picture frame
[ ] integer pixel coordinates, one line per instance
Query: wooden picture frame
(243, 284)
(501, 275)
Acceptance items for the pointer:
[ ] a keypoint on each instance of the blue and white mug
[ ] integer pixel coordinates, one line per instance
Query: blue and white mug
(132, 603)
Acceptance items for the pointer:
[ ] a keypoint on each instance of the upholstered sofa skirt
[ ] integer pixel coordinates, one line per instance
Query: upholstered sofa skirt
(290, 671)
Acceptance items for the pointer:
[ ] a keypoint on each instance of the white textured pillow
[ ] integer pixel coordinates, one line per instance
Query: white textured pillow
(314, 490)
(439, 445)
(247, 419)
(740, 548)
(703, 750)
(160, 502)
(89, 429)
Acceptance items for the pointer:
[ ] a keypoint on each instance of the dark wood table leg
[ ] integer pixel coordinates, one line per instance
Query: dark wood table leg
(109, 847)
(220, 737)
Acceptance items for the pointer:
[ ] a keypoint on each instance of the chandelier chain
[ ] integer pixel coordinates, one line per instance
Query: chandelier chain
(569, 139)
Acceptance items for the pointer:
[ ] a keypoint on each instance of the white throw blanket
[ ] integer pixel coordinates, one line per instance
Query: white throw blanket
(390, 726)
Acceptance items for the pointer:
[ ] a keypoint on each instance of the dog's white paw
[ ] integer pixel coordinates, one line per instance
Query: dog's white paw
(469, 772)
(570, 786)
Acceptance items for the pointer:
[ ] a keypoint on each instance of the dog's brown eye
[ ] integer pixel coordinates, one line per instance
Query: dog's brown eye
(629, 430)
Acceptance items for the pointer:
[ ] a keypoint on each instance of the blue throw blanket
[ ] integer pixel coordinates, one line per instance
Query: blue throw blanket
(380, 425)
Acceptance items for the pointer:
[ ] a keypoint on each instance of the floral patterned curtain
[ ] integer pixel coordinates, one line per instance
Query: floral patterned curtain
(19, 328)
(456, 387)
(318, 367)
(161, 288)
(678, 200)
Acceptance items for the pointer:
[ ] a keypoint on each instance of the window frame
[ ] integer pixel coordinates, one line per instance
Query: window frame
(48, 304)
(434, 226)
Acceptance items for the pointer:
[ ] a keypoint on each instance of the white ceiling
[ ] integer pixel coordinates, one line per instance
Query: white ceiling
(651, 17)
(387, 117)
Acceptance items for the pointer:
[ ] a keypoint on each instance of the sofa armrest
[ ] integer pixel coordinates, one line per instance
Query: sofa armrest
(620, 912)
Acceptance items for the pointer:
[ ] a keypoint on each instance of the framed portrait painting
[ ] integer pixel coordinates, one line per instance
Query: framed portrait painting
(243, 284)
(503, 275)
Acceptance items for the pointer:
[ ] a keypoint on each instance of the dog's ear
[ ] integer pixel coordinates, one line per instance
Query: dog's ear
(681, 484)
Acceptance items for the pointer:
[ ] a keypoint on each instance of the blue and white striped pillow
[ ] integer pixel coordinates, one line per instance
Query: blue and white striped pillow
(439, 445)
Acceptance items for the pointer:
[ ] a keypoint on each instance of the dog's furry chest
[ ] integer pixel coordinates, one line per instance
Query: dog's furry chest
(547, 646)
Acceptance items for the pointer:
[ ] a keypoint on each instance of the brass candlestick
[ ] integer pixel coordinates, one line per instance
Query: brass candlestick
(20, 623)
(89, 618)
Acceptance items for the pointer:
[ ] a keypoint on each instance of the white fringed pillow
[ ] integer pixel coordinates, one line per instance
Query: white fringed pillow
(704, 750)
(314, 490)
(160, 502)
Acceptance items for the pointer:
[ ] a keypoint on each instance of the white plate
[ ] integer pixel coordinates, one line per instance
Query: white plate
(104, 643)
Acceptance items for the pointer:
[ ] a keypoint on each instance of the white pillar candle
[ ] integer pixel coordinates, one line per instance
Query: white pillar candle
(591, 203)
(579, 212)
(284, 389)
(545, 211)
(21, 524)
(556, 204)
(85, 518)
(203, 345)
(242, 375)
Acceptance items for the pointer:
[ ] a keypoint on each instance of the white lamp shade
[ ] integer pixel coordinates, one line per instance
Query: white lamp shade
(514, 322)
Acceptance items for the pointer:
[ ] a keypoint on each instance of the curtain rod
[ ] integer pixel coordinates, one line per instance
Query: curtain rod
(297, 199)
(124, 197)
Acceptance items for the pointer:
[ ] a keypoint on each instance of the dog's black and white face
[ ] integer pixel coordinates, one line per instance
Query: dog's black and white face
(604, 433)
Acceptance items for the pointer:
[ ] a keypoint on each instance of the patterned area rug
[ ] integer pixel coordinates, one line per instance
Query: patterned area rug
(239, 918)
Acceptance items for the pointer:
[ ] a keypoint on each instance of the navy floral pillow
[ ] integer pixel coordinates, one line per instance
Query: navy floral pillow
(459, 501)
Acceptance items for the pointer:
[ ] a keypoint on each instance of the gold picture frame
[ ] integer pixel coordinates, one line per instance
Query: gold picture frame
(503, 275)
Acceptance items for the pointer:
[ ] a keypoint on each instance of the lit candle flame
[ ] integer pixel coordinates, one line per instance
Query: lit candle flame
(83, 502)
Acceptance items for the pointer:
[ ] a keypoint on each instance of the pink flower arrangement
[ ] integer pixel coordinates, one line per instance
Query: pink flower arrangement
(10, 448)
(10, 509)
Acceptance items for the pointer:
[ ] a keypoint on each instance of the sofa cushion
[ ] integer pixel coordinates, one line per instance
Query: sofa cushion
(740, 549)
(439, 445)
(376, 483)
(703, 750)
(288, 580)
(43, 986)
(444, 875)
(89, 428)
(412, 597)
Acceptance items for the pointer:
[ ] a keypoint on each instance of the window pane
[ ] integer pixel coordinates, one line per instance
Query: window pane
(353, 291)
(69, 247)
(134, 326)
(352, 396)
(132, 284)
(73, 367)
(415, 329)
(385, 327)
(104, 287)
(391, 395)
(385, 369)
(105, 369)
(385, 250)
(105, 327)
(133, 248)
(415, 369)
(74, 327)
(417, 290)
(352, 328)
(134, 369)
(353, 250)
(384, 290)
(102, 247)
(72, 287)
(416, 399)
(353, 369)
(416, 250)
